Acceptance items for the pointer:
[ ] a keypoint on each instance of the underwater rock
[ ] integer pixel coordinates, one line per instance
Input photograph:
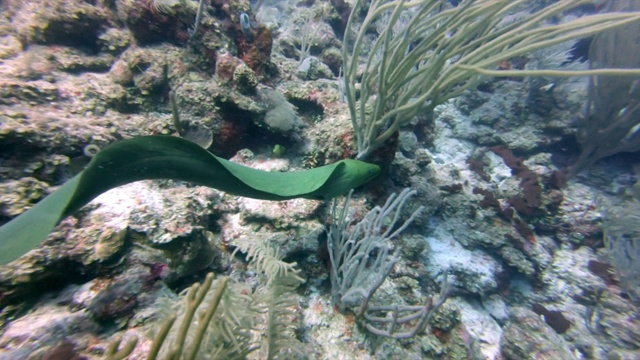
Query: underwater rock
(618, 319)
(339, 22)
(96, 94)
(36, 92)
(483, 332)
(474, 272)
(34, 63)
(152, 22)
(280, 215)
(74, 61)
(244, 79)
(306, 34)
(333, 58)
(9, 46)
(578, 220)
(116, 302)
(18, 196)
(329, 142)
(408, 142)
(286, 47)
(44, 328)
(232, 117)
(74, 23)
(569, 273)
(143, 68)
(281, 116)
(313, 100)
(110, 243)
(496, 307)
(412, 246)
(414, 172)
(516, 258)
(173, 220)
(606, 318)
(226, 66)
(115, 40)
(506, 113)
(311, 68)
(526, 336)
(83, 315)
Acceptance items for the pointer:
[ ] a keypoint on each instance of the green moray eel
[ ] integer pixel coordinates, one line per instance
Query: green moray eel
(168, 157)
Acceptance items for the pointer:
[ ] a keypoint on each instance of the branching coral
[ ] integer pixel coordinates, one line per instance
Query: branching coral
(427, 53)
(612, 122)
(219, 318)
(180, 349)
(363, 257)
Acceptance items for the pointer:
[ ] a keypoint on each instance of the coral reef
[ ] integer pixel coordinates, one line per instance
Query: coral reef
(523, 243)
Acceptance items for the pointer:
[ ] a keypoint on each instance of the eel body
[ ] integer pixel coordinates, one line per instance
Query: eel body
(168, 157)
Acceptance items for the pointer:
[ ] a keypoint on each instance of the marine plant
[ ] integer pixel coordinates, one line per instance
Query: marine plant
(427, 52)
(363, 256)
(282, 279)
(167, 157)
(218, 317)
(611, 123)
(198, 20)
